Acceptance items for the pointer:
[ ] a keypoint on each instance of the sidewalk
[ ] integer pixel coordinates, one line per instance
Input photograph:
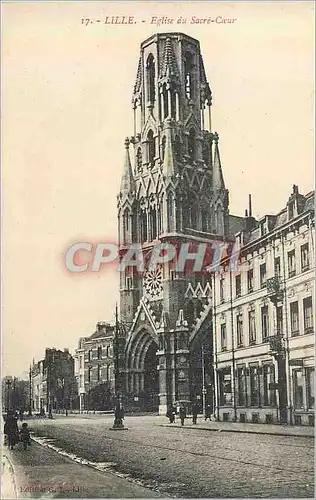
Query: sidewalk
(42, 472)
(8, 485)
(248, 428)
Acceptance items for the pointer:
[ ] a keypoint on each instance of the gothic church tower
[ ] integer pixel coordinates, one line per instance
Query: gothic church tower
(172, 190)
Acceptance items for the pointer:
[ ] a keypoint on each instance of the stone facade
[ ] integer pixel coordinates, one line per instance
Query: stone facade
(53, 381)
(94, 364)
(173, 192)
(264, 336)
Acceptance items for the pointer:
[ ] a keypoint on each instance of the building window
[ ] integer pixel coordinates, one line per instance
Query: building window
(304, 257)
(80, 362)
(291, 263)
(264, 322)
(263, 275)
(89, 354)
(143, 226)
(254, 386)
(223, 337)
(240, 332)
(242, 386)
(81, 381)
(225, 387)
(308, 315)
(269, 395)
(99, 352)
(277, 267)
(238, 285)
(221, 290)
(250, 280)
(252, 327)
(204, 218)
(150, 67)
(89, 374)
(99, 373)
(279, 320)
(310, 388)
(151, 147)
(298, 388)
(294, 319)
(139, 159)
(188, 67)
(177, 148)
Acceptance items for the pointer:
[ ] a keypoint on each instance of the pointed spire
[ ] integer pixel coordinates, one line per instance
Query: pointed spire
(138, 77)
(127, 182)
(169, 65)
(218, 179)
(169, 162)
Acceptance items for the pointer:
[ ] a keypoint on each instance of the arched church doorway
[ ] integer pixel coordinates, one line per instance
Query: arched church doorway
(151, 380)
(142, 383)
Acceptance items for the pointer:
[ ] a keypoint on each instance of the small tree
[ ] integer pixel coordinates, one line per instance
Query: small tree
(101, 397)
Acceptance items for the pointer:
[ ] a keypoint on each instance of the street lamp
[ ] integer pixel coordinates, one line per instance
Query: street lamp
(118, 412)
(203, 382)
(30, 390)
(8, 384)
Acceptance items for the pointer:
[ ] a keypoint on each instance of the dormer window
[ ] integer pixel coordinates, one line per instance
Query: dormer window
(291, 209)
(150, 69)
(263, 227)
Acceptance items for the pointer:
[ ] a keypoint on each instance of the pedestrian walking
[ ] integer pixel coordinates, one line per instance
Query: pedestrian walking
(11, 430)
(171, 415)
(208, 412)
(25, 435)
(182, 414)
(195, 412)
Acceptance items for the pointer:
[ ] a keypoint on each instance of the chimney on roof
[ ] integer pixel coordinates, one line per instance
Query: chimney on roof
(250, 206)
(246, 213)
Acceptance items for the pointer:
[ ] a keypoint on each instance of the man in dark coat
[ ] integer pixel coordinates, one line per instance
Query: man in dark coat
(182, 414)
(195, 412)
(11, 430)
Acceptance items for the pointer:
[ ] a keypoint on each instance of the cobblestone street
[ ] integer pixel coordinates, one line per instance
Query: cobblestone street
(185, 462)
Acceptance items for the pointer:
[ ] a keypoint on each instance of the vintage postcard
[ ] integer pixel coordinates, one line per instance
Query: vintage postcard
(158, 250)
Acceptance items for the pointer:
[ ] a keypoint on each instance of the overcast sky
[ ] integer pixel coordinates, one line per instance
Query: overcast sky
(67, 109)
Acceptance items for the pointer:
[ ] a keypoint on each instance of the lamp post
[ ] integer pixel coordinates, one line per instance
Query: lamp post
(203, 382)
(30, 391)
(118, 412)
(8, 384)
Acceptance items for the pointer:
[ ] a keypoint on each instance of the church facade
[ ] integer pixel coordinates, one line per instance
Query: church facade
(172, 192)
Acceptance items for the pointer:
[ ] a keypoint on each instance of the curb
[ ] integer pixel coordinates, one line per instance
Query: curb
(238, 431)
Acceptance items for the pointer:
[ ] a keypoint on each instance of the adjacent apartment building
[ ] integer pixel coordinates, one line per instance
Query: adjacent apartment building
(94, 368)
(263, 322)
(53, 382)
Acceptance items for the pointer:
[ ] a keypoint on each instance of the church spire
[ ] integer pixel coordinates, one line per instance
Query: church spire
(127, 182)
(218, 179)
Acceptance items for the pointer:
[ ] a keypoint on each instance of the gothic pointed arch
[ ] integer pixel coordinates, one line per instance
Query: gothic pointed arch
(150, 77)
(188, 74)
(151, 147)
